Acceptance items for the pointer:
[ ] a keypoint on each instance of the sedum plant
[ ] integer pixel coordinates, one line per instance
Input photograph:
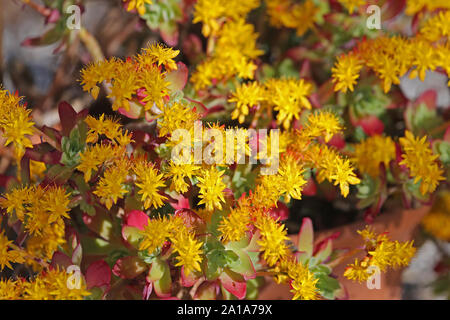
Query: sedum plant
(183, 193)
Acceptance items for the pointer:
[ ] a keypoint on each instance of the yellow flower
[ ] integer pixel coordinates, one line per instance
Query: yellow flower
(357, 271)
(304, 284)
(108, 127)
(149, 182)
(346, 72)
(111, 187)
(161, 55)
(189, 251)
(234, 226)
(176, 116)
(288, 13)
(351, 5)
(15, 123)
(179, 173)
(138, 4)
(323, 123)
(7, 255)
(245, 97)
(53, 285)
(292, 180)
(289, 97)
(382, 253)
(155, 234)
(211, 188)
(371, 152)
(273, 239)
(94, 156)
(56, 201)
(155, 85)
(10, 290)
(421, 162)
(437, 220)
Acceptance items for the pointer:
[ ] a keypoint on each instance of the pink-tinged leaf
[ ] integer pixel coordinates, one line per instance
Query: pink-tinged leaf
(371, 125)
(133, 113)
(253, 245)
(137, 219)
(244, 266)
(178, 78)
(337, 141)
(77, 255)
(323, 242)
(169, 33)
(191, 220)
(157, 270)
(281, 211)
(234, 283)
(429, 98)
(148, 288)
(183, 203)
(60, 259)
(67, 116)
(306, 237)
(324, 251)
(132, 235)
(188, 280)
(163, 286)
(208, 290)
(53, 17)
(129, 267)
(98, 274)
(447, 135)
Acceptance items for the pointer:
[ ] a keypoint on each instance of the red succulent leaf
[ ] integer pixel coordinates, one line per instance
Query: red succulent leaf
(187, 280)
(137, 219)
(98, 274)
(371, 125)
(207, 290)
(281, 211)
(60, 259)
(67, 116)
(429, 98)
(310, 188)
(234, 283)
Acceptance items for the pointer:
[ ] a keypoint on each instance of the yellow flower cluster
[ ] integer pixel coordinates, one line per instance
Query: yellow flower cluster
(8, 255)
(373, 151)
(415, 6)
(52, 284)
(437, 221)
(229, 55)
(15, 123)
(140, 80)
(42, 212)
(391, 58)
(380, 252)
(289, 14)
(109, 128)
(173, 229)
(287, 96)
(352, 5)
(421, 162)
(137, 4)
